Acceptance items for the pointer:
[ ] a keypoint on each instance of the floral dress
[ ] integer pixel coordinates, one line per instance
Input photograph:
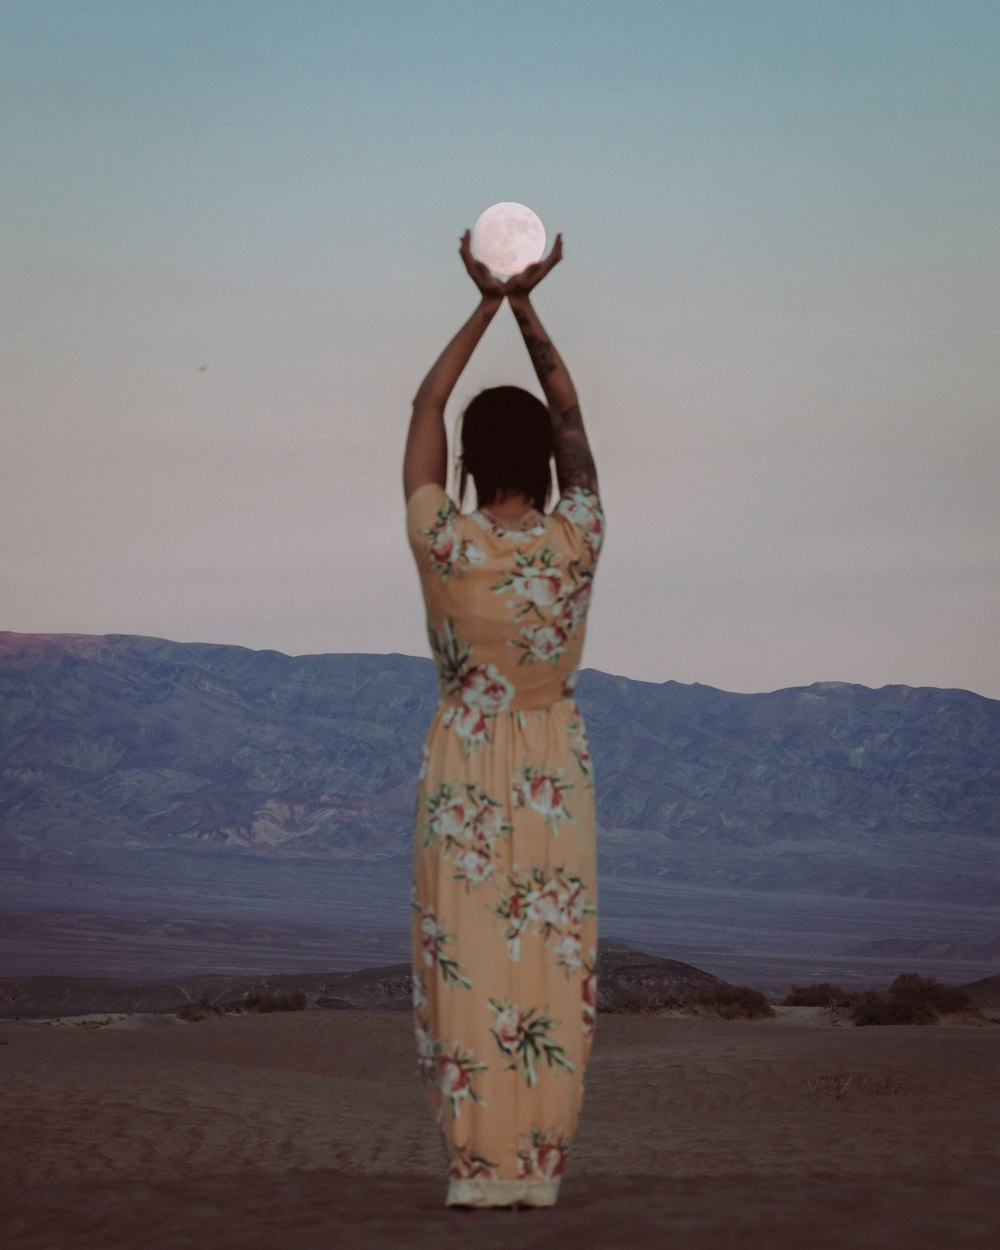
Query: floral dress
(504, 891)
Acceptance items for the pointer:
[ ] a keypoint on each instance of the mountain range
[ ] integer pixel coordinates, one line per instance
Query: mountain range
(129, 741)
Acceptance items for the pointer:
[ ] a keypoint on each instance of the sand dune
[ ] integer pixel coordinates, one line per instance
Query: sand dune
(308, 1129)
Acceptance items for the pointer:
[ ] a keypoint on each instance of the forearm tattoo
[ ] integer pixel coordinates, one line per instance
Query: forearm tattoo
(539, 349)
(574, 462)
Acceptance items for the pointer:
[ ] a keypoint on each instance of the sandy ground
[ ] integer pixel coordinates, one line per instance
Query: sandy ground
(309, 1129)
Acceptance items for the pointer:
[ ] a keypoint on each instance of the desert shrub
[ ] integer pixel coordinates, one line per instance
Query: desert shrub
(731, 1001)
(205, 1006)
(293, 1000)
(629, 1000)
(911, 999)
(874, 1008)
(728, 1001)
(929, 993)
(819, 994)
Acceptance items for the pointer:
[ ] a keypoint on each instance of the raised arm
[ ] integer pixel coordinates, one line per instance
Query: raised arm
(574, 460)
(426, 457)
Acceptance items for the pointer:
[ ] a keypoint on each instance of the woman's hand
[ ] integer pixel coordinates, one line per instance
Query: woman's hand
(489, 286)
(525, 281)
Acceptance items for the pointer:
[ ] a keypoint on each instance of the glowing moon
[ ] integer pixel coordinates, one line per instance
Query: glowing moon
(508, 237)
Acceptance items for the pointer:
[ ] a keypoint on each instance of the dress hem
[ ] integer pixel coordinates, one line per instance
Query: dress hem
(481, 1192)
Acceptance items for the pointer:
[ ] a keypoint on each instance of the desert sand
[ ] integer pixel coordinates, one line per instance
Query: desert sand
(309, 1129)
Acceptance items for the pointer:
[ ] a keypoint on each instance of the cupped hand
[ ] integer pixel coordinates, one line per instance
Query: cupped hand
(478, 272)
(529, 277)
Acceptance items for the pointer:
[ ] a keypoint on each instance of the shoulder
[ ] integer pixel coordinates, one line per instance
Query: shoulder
(580, 510)
(428, 507)
(439, 533)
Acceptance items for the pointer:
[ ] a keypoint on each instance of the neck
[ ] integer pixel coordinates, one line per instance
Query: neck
(508, 506)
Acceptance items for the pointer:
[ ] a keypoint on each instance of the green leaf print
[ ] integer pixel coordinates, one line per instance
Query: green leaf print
(540, 643)
(451, 655)
(466, 1164)
(432, 941)
(449, 554)
(556, 599)
(454, 1070)
(482, 688)
(536, 582)
(546, 904)
(523, 1037)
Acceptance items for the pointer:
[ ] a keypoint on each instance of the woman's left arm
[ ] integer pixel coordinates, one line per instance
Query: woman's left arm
(426, 456)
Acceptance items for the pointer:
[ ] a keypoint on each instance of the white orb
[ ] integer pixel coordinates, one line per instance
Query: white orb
(507, 238)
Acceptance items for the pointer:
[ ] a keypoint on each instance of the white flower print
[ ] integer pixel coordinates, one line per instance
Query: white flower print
(569, 950)
(579, 744)
(467, 823)
(449, 817)
(474, 865)
(484, 692)
(487, 821)
(541, 587)
(448, 553)
(548, 904)
(583, 510)
(507, 1027)
(485, 688)
(432, 941)
(454, 1075)
(543, 642)
(524, 1036)
(545, 793)
(574, 606)
(425, 1052)
(471, 726)
(545, 905)
(429, 937)
(545, 1157)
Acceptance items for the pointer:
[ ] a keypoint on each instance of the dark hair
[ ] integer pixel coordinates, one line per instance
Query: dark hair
(506, 445)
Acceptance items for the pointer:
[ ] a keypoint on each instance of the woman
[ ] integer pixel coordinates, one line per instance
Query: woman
(504, 859)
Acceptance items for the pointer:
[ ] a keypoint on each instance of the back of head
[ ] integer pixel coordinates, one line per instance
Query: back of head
(506, 446)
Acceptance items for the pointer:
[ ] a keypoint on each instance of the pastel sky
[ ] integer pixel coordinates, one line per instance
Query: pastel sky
(229, 240)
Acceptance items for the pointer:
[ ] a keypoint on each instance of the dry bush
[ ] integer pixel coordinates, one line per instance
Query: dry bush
(728, 1001)
(911, 999)
(732, 1001)
(293, 1000)
(819, 994)
(633, 1001)
(205, 1006)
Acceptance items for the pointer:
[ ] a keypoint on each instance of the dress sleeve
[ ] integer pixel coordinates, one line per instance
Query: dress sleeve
(583, 514)
(430, 513)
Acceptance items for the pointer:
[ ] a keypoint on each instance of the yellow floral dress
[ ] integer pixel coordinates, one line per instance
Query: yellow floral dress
(504, 888)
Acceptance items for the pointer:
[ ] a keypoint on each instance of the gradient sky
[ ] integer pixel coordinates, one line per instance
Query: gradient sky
(229, 239)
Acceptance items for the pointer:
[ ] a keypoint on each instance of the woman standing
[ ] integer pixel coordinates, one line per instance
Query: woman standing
(504, 857)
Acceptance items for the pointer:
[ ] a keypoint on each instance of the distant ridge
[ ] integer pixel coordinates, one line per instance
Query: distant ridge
(622, 971)
(134, 742)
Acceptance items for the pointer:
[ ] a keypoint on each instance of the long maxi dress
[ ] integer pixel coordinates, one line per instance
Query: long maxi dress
(504, 890)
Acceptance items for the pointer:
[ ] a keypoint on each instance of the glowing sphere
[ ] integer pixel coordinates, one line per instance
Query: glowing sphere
(507, 238)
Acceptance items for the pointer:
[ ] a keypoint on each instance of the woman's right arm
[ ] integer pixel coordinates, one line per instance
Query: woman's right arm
(573, 457)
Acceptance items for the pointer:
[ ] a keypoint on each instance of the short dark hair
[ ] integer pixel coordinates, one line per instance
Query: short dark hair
(506, 445)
